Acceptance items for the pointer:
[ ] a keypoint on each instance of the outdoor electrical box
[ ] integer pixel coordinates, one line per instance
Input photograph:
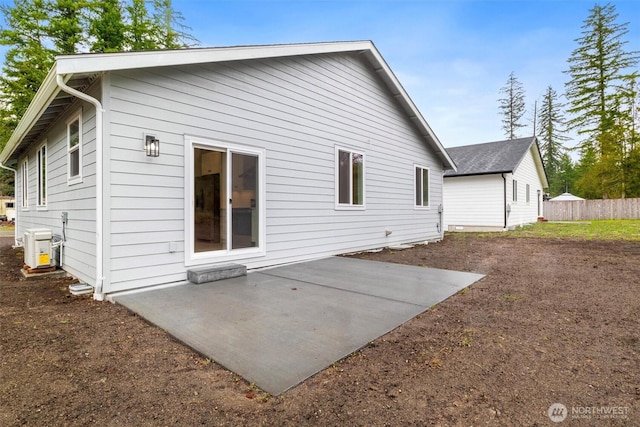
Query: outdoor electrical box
(37, 247)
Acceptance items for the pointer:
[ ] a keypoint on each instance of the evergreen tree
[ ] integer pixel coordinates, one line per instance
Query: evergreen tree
(600, 70)
(629, 138)
(551, 133)
(37, 30)
(140, 30)
(7, 181)
(27, 60)
(512, 106)
(106, 26)
(170, 31)
(564, 180)
(66, 26)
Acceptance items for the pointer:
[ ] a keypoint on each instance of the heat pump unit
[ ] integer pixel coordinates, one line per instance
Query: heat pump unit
(37, 247)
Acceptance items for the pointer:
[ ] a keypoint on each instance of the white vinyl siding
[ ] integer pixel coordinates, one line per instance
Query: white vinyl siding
(422, 186)
(479, 200)
(295, 109)
(474, 201)
(77, 200)
(527, 173)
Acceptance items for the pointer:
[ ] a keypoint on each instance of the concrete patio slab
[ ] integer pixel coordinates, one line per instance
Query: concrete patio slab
(279, 326)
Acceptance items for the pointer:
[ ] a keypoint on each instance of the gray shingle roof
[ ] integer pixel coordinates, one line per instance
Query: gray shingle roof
(490, 157)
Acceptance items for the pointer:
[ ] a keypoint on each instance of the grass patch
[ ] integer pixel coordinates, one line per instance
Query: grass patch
(621, 229)
(511, 297)
(617, 229)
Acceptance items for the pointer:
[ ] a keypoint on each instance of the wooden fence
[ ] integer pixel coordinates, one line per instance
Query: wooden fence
(581, 210)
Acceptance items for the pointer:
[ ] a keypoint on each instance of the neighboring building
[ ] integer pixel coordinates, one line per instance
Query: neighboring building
(7, 208)
(267, 155)
(565, 197)
(497, 186)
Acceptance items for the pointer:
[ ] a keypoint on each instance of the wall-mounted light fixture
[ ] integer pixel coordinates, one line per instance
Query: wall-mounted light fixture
(151, 146)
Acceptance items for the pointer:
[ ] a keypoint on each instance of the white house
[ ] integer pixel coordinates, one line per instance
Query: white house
(497, 186)
(267, 155)
(7, 208)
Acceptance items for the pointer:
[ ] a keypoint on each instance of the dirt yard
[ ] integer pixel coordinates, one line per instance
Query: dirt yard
(554, 321)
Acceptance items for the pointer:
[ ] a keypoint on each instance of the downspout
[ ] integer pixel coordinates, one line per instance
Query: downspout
(504, 179)
(15, 176)
(441, 208)
(97, 289)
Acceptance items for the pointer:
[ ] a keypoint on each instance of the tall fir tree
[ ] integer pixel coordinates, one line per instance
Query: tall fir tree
(140, 29)
(171, 32)
(598, 70)
(106, 26)
(630, 127)
(552, 135)
(35, 31)
(512, 106)
(27, 60)
(66, 25)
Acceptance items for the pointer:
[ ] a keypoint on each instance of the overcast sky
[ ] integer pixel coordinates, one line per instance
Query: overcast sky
(452, 56)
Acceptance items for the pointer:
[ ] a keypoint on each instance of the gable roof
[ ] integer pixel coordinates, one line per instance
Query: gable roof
(565, 197)
(79, 71)
(494, 157)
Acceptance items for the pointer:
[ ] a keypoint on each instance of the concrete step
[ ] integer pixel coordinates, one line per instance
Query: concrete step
(214, 273)
(80, 289)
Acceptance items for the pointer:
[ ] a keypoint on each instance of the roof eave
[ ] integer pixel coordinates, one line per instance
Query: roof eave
(43, 97)
(540, 163)
(477, 173)
(397, 90)
(68, 65)
(537, 159)
(93, 63)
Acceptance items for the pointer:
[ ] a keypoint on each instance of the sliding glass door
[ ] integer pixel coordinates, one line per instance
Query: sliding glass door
(226, 205)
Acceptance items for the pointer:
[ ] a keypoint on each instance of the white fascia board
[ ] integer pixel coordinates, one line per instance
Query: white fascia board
(537, 158)
(534, 149)
(98, 62)
(398, 91)
(45, 95)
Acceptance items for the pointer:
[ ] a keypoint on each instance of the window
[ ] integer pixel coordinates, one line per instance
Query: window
(42, 175)
(25, 183)
(527, 194)
(515, 190)
(422, 186)
(350, 178)
(74, 149)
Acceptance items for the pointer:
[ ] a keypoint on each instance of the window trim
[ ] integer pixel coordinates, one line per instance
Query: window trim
(41, 179)
(528, 193)
(76, 178)
(514, 190)
(415, 187)
(349, 206)
(25, 184)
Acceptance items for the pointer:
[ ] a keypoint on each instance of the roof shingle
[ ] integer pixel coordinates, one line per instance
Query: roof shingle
(489, 157)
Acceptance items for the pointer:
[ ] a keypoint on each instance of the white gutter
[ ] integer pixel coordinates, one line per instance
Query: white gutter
(15, 175)
(97, 289)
